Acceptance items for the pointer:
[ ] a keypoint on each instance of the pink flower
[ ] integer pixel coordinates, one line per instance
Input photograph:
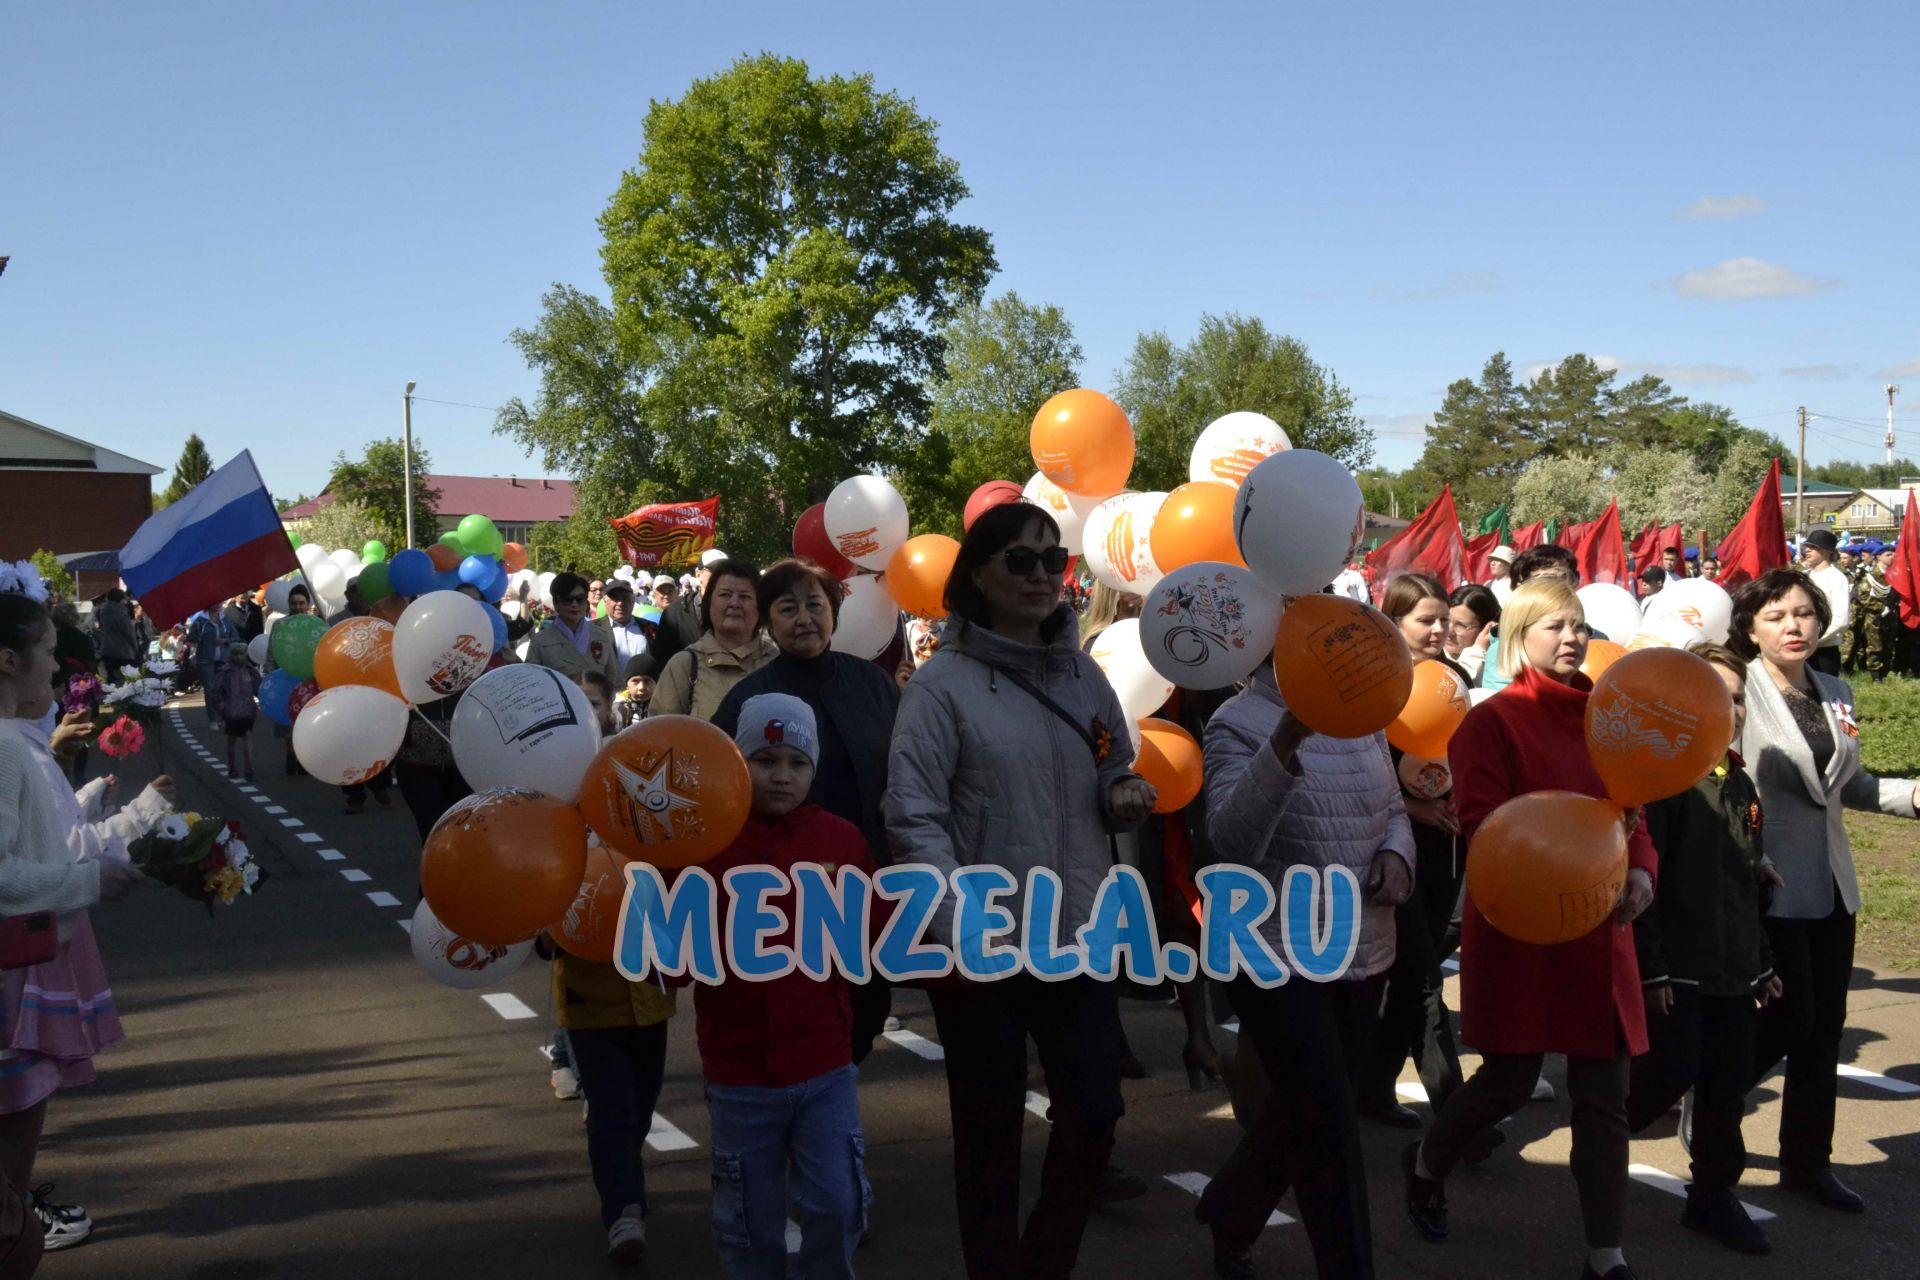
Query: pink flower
(122, 738)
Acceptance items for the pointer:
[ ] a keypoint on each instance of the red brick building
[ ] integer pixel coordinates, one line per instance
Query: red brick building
(66, 496)
(514, 503)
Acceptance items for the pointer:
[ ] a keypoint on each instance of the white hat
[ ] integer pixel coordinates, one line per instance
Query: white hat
(710, 558)
(666, 580)
(1503, 554)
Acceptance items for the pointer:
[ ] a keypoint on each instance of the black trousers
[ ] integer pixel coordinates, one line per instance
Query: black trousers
(1826, 659)
(1308, 1036)
(1814, 959)
(429, 793)
(1413, 1018)
(984, 1028)
(1705, 1043)
(1598, 1090)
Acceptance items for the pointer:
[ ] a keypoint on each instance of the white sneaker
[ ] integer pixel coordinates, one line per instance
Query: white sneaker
(66, 1225)
(627, 1237)
(891, 1024)
(566, 1085)
(1543, 1090)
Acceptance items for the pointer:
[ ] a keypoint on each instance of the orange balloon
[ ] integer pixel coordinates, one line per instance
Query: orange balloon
(590, 925)
(1083, 442)
(917, 574)
(1343, 669)
(1434, 710)
(390, 608)
(501, 864)
(445, 557)
(1169, 758)
(672, 791)
(357, 651)
(1657, 722)
(1601, 654)
(1195, 523)
(1548, 867)
(514, 556)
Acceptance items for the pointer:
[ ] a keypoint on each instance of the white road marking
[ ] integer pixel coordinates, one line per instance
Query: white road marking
(508, 1006)
(276, 808)
(1038, 1103)
(1233, 1026)
(1415, 1092)
(1222, 1112)
(405, 924)
(793, 1236)
(261, 799)
(1451, 964)
(356, 875)
(1848, 1071)
(307, 837)
(917, 1044)
(290, 822)
(662, 1135)
(332, 855)
(247, 789)
(1195, 1183)
(1661, 1180)
(381, 898)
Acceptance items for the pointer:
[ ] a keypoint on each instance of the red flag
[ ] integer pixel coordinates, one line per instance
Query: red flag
(1645, 548)
(1905, 573)
(667, 532)
(1479, 552)
(1528, 535)
(1674, 537)
(1597, 548)
(1431, 544)
(1759, 542)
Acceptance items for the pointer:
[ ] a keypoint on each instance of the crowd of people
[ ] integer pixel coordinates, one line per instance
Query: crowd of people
(992, 738)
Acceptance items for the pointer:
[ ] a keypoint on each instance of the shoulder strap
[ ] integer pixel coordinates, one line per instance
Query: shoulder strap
(1039, 695)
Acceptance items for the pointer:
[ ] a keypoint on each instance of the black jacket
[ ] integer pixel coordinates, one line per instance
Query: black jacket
(854, 703)
(679, 627)
(1704, 928)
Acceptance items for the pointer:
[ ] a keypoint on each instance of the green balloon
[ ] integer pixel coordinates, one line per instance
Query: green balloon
(295, 539)
(295, 640)
(454, 540)
(375, 586)
(480, 537)
(374, 552)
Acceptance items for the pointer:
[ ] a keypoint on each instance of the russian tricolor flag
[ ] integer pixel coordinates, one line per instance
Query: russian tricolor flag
(223, 538)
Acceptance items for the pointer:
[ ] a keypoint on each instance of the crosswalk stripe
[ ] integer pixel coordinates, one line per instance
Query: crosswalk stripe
(508, 1006)
(1196, 1183)
(1661, 1180)
(662, 1135)
(917, 1044)
(1848, 1071)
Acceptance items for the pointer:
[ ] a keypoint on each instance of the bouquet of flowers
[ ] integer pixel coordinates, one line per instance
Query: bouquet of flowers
(142, 691)
(206, 859)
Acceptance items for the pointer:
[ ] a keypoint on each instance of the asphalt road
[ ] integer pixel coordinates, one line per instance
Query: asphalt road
(295, 1100)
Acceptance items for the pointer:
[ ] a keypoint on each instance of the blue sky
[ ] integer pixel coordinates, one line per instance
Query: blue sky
(258, 221)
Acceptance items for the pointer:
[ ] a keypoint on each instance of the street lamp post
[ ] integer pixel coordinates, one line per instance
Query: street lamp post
(406, 448)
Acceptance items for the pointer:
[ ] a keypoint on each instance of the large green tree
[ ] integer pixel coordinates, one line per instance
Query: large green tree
(1234, 362)
(1004, 360)
(376, 481)
(1479, 441)
(1566, 407)
(195, 465)
(1730, 492)
(1563, 489)
(781, 261)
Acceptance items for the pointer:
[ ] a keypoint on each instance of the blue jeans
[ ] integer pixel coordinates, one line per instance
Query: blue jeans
(814, 1127)
(620, 1070)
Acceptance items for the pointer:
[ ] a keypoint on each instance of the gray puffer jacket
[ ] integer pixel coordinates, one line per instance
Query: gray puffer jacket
(980, 772)
(1342, 807)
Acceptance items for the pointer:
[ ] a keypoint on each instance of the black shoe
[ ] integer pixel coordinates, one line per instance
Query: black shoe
(1483, 1145)
(1131, 1068)
(1237, 1265)
(1426, 1199)
(1822, 1187)
(1202, 1062)
(1621, 1272)
(1721, 1215)
(1685, 1129)
(1117, 1184)
(1394, 1114)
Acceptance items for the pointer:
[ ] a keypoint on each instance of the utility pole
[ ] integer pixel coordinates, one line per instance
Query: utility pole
(406, 450)
(1892, 391)
(1800, 483)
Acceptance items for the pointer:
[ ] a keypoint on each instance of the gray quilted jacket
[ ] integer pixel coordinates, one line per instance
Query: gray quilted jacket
(981, 772)
(1343, 807)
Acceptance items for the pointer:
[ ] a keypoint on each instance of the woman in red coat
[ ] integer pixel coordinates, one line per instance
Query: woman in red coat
(1520, 1001)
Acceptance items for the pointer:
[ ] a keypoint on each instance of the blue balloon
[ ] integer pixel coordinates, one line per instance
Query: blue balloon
(411, 572)
(447, 580)
(497, 588)
(499, 622)
(276, 691)
(477, 571)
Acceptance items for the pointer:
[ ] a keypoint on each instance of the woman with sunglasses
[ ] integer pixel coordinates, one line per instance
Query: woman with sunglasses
(574, 643)
(1011, 750)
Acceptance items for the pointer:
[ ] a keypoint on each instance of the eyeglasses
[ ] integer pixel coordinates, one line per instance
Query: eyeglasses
(1020, 560)
(578, 597)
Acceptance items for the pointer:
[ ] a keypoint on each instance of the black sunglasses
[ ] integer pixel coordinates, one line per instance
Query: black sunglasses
(1020, 560)
(578, 597)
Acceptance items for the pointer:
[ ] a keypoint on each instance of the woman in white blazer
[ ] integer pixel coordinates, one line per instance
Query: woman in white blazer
(1802, 745)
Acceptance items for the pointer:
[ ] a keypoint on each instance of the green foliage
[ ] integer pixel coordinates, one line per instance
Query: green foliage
(377, 484)
(1568, 489)
(1171, 393)
(195, 465)
(54, 573)
(1858, 476)
(344, 523)
(1479, 441)
(1566, 408)
(1003, 360)
(1407, 492)
(584, 542)
(1657, 484)
(1730, 491)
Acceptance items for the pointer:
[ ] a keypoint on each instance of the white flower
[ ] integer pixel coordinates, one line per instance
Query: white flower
(129, 673)
(21, 578)
(119, 693)
(174, 827)
(162, 668)
(150, 699)
(238, 855)
(250, 875)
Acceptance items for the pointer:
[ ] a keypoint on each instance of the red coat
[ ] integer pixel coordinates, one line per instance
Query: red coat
(1517, 997)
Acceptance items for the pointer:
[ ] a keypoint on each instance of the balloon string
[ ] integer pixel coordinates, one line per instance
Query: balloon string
(431, 725)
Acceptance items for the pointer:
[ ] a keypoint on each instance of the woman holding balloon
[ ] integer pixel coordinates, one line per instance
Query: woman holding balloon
(1520, 1000)
(731, 647)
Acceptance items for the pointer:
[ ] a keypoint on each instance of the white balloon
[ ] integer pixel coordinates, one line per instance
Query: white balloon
(1426, 779)
(309, 554)
(1208, 625)
(1117, 652)
(328, 580)
(349, 733)
(525, 726)
(1233, 445)
(867, 519)
(1672, 632)
(1119, 548)
(347, 560)
(1297, 519)
(1696, 602)
(868, 618)
(441, 645)
(1069, 510)
(543, 588)
(257, 650)
(278, 592)
(1612, 611)
(458, 962)
(1478, 696)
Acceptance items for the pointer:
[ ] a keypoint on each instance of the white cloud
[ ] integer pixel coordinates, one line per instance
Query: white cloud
(1817, 372)
(1455, 284)
(1697, 375)
(1911, 369)
(1401, 425)
(1724, 207)
(1747, 278)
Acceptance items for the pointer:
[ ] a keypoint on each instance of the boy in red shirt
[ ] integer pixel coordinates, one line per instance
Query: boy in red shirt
(778, 1055)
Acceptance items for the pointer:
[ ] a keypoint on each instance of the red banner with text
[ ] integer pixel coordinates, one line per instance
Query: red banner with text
(667, 532)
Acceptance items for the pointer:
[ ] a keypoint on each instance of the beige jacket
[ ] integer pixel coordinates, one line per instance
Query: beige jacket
(686, 689)
(552, 649)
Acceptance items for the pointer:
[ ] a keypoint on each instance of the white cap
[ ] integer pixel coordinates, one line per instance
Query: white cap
(666, 580)
(712, 557)
(1503, 554)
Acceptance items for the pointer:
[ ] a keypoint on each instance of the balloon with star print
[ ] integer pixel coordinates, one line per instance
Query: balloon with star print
(672, 791)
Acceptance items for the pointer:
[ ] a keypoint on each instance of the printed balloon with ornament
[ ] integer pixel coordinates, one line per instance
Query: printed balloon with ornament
(1658, 720)
(357, 651)
(294, 641)
(591, 923)
(349, 733)
(1297, 518)
(1342, 668)
(1548, 867)
(1435, 707)
(811, 542)
(1119, 542)
(1233, 445)
(866, 519)
(1208, 625)
(1118, 654)
(501, 865)
(672, 791)
(457, 962)
(1069, 510)
(441, 645)
(525, 726)
(869, 618)
(1082, 442)
(1694, 603)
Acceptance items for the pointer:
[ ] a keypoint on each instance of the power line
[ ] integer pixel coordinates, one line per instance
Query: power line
(458, 404)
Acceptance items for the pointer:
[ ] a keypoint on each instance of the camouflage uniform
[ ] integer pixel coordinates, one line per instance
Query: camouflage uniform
(1878, 625)
(1853, 642)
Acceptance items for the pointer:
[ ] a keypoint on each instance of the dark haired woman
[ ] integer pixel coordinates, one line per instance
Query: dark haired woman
(1802, 745)
(1011, 750)
(731, 647)
(574, 643)
(1473, 615)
